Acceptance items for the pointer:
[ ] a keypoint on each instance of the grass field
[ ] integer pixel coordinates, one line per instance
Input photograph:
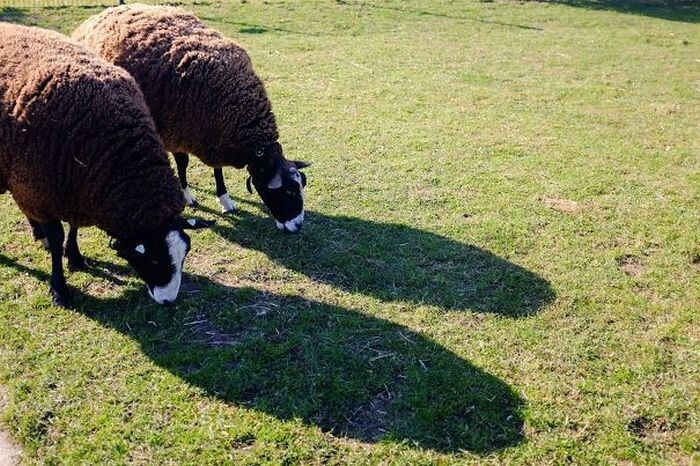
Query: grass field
(501, 261)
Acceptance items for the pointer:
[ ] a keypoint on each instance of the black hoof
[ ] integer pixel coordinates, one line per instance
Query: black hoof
(37, 233)
(77, 264)
(61, 298)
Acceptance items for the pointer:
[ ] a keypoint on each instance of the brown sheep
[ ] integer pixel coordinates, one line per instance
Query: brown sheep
(205, 99)
(77, 144)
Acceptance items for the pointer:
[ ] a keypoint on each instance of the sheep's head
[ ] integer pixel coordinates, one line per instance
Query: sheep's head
(280, 183)
(158, 258)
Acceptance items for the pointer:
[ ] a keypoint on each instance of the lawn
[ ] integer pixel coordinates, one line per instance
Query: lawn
(501, 261)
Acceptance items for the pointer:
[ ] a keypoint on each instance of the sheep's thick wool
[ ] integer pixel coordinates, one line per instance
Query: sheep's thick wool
(201, 89)
(77, 142)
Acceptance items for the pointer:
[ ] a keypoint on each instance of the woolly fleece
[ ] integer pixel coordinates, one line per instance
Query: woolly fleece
(77, 142)
(200, 86)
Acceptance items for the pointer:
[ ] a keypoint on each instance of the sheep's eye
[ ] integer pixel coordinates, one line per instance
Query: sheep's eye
(290, 193)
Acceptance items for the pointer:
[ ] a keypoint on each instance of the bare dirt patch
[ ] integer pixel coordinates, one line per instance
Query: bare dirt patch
(561, 205)
(631, 265)
(652, 430)
(665, 108)
(370, 420)
(695, 260)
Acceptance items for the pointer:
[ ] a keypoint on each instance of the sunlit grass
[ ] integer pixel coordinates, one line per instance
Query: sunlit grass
(501, 260)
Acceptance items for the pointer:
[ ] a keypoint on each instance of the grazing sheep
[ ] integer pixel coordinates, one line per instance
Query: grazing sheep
(205, 99)
(77, 144)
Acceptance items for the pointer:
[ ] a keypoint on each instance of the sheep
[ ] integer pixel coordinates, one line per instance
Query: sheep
(205, 98)
(77, 144)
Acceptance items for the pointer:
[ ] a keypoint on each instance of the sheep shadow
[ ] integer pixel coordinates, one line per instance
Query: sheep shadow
(349, 373)
(394, 262)
(672, 10)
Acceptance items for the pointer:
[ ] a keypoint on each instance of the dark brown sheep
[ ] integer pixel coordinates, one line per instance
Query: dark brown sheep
(204, 97)
(77, 144)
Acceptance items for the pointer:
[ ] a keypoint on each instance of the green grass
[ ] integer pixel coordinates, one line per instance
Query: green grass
(501, 261)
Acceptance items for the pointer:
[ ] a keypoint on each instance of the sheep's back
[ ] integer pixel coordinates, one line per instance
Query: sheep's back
(161, 47)
(200, 86)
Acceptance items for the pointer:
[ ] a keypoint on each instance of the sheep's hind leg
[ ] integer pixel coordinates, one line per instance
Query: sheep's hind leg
(76, 261)
(227, 205)
(59, 289)
(38, 233)
(182, 159)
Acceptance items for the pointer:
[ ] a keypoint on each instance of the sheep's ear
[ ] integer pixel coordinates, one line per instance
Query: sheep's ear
(299, 164)
(248, 185)
(275, 183)
(303, 179)
(194, 224)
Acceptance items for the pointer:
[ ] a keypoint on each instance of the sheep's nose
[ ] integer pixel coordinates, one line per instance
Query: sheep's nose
(297, 227)
(293, 227)
(166, 302)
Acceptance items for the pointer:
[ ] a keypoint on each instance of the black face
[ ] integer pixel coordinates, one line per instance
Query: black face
(282, 191)
(158, 258)
(158, 261)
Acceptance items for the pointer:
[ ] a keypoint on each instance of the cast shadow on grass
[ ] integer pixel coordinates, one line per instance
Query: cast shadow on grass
(255, 28)
(351, 374)
(424, 12)
(13, 15)
(394, 263)
(673, 10)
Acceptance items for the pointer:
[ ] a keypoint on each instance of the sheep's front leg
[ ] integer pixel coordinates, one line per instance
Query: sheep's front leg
(38, 233)
(59, 289)
(227, 205)
(182, 159)
(76, 261)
